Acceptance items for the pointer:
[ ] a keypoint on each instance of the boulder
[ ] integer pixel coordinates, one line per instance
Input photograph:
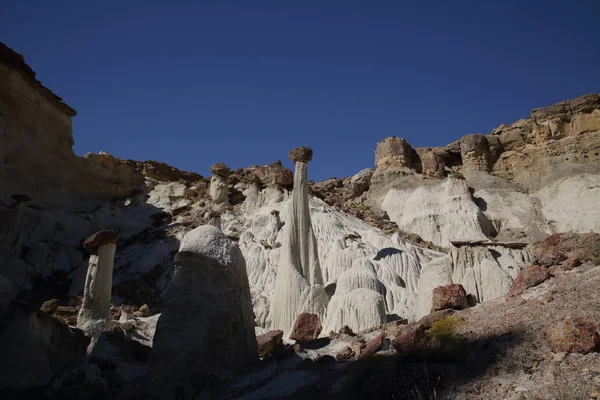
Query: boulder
(449, 296)
(269, 343)
(409, 338)
(530, 276)
(573, 336)
(306, 328)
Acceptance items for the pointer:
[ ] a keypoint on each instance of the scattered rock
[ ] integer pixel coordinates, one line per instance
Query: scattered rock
(573, 336)
(269, 343)
(143, 311)
(449, 296)
(373, 346)
(530, 276)
(265, 244)
(346, 331)
(409, 340)
(306, 328)
(345, 354)
(49, 306)
(560, 356)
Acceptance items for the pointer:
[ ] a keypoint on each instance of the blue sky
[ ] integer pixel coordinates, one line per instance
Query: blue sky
(243, 82)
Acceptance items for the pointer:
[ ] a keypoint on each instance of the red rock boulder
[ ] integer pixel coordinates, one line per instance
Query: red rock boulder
(449, 296)
(573, 336)
(410, 339)
(530, 276)
(373, 346)
(306, 328)
(269, 343)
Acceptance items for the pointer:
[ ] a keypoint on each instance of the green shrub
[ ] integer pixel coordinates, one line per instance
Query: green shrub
(444, 329)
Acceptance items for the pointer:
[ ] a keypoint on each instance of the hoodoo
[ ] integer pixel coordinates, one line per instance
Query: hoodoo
(207, 324)
(299, 285)
(98, 282)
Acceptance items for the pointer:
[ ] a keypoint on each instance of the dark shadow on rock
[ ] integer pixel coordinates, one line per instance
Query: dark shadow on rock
(316, 344)
(386, 252)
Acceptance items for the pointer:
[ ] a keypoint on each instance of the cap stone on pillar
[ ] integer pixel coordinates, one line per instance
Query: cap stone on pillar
(303, 154)
(21, 198)
(98, 239)
(220, 169)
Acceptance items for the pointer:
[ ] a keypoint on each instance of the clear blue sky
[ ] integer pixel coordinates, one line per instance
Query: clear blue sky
(192, 83)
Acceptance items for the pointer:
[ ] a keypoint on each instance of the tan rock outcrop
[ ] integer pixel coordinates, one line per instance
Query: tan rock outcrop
(393, 151)
(37, 123)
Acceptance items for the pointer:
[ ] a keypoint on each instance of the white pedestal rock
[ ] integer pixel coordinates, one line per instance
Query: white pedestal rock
(299, 284)
(98, 282)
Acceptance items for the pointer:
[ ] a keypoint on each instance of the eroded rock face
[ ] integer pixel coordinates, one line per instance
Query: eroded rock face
(475, 152)
(207, 324)
(573, 336)
(433, 165)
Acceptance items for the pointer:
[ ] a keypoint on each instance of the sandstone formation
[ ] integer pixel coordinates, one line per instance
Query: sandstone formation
(299, 285)
(98, 282)
(194, 340)
(393, 151)
(51, 173)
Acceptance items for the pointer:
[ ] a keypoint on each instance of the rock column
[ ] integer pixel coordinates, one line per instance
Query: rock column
(299, 284)
(219, 186)
(98, 282)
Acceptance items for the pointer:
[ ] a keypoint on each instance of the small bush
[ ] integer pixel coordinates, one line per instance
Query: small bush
(444, 329)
